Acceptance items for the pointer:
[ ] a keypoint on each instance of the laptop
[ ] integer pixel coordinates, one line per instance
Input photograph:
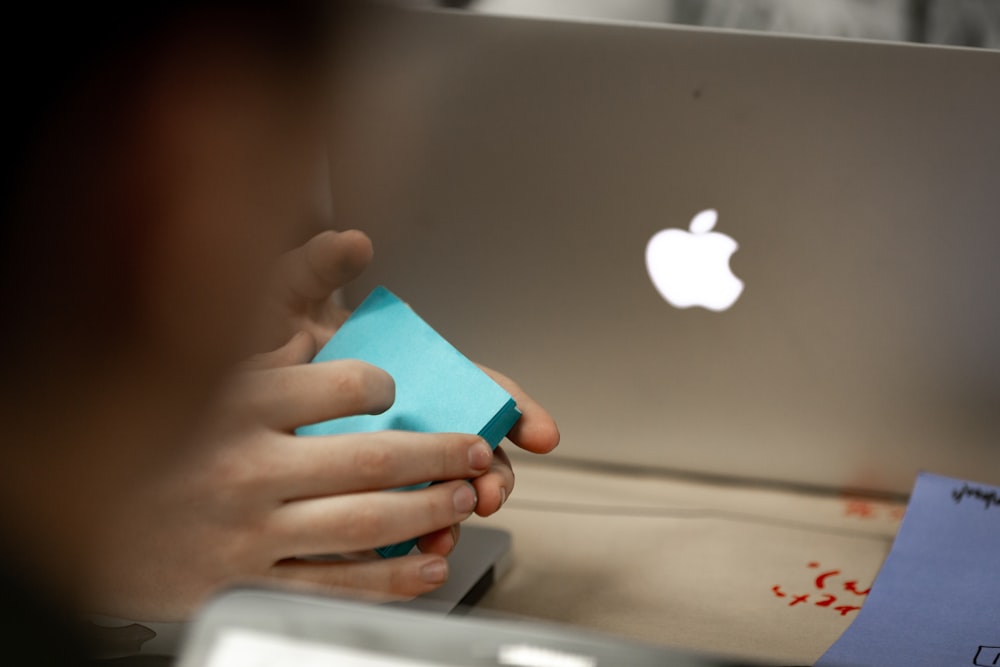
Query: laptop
(711, 252)
(275, 629)
(480, 558)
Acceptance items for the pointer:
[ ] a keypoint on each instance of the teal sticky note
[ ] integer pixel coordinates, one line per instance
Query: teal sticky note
(437, 388)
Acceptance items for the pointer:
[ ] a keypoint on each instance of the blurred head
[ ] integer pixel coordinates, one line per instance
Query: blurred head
(160, 155)
(158, 160)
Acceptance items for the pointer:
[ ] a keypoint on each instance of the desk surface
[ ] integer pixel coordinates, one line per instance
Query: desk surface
(759, 572)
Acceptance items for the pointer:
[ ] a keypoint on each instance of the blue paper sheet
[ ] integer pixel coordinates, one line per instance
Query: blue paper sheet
(936, 601)
(437, 388)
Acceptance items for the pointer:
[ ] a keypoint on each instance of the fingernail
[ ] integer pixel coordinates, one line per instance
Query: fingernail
(434, 572)
(465, 499)
(480, 456)
(503, 496)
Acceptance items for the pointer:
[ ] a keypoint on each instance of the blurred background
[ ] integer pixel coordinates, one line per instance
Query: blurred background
(974, 23)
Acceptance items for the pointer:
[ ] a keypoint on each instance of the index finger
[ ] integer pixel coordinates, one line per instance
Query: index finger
(293, 396)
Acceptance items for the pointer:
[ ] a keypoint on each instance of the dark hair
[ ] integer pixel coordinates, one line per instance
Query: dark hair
(70, 69)
(52, 48)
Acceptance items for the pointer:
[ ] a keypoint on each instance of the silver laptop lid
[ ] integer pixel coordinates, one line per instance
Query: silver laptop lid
(513, 171)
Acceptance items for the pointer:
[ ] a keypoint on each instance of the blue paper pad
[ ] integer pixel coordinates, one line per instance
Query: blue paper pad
(437, 388)
(936, 601)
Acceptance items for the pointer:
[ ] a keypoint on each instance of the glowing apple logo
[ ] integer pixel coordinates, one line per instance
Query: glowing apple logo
(692, 268)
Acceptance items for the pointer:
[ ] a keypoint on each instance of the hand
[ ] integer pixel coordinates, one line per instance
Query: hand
(300, 295)
(254, 498)
(300, 301)
(535, 432)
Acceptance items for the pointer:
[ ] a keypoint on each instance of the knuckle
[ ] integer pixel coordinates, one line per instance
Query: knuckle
(446, 459)
(362, 386)
(442, 509)
(366, 527)
(431, 509)
(454, 450)
(348, 380)
(372, 460)
(403, 583)
(245, 396)
(234, 472)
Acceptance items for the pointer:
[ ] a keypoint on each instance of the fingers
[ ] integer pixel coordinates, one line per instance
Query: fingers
(357, 462)
(441, 542)
(535, 431)
(326, 262)
(339, 524)
(299, 349)
(494, 487)
(404, 577)
(288, 397)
